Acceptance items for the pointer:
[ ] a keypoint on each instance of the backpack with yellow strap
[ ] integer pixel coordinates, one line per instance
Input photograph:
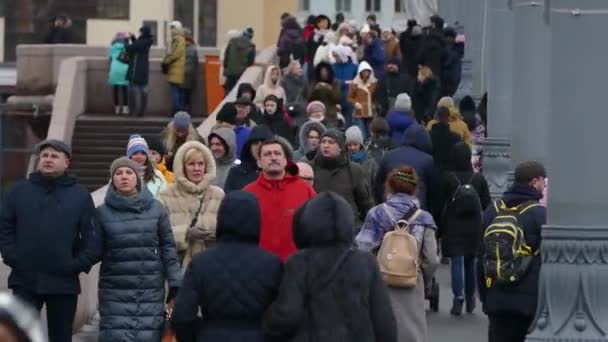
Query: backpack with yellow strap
(505, 254)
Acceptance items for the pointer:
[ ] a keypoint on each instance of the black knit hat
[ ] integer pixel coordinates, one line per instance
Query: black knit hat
(528, 170)
(227, 113)
(155, 144)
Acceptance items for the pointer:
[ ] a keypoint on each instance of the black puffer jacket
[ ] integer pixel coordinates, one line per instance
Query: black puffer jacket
(279, 126)
(241, 175)
(139, 61)
(233, 282)
(353, 305)
(139, 255)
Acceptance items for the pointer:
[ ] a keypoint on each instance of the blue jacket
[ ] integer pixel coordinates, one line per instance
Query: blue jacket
(519, 298)
(242, 134)
(241, 175)
(233, 282)
(139, 255)
(374, 55)
(118, 69)
(398, 123)
(415, 152)
(47, 235)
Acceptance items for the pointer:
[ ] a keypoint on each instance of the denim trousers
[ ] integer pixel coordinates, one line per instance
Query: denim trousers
(463, 276)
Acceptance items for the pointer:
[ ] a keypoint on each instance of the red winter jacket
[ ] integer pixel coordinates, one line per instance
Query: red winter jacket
(279, 199)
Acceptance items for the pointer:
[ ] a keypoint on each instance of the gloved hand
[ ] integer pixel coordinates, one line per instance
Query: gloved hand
(172, 294)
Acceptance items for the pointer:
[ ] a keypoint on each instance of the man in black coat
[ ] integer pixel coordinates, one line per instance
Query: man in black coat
(47, 237)
(511, 308)
(139, 69)
(393, 83)
(233, 283)
(330, 292)
(241, 175)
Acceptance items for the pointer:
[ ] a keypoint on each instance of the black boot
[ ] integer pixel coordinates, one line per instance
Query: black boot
(457, 307)
(470, 304)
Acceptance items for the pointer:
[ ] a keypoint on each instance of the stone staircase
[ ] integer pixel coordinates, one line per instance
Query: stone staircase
(99, 139)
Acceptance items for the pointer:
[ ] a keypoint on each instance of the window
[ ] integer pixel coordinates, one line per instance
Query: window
(372, 5)
(343, 5)
(113, 9)
(207, 23)
(400, 6)
(304, 5)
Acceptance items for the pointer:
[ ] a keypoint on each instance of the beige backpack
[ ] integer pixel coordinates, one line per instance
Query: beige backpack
(398, 256)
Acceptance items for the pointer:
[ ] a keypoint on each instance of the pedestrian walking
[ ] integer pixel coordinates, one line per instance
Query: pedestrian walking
(139, 69)
(345, 71)
(443, 139)
(457, 125)
(222, 143)
(174, 64)
(310, 140)
(317, 297)
(380, 141)
(192, 201)
(426, 95)
(391, 44)
(274, 118)
(157, 155)
(326, 89)
(233, 283)
(271, 86)
(280, 194)
(179, 131)
(117, 77)
(295, 85)
(400, 118)
(190, 70)
(408, 303)
(393, 83)
(292, 45)
(362, 96)
(238, 56)
(360, 155)
(138, 255)
(248, 170)
(139, 152)
(49, 206)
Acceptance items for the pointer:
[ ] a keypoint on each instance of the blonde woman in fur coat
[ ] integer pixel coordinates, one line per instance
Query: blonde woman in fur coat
(192, 202)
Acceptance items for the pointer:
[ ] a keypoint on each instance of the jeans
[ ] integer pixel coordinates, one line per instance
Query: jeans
(60, 312)
(463, 276)
(177, 97)
(363, 124)
(138, 99)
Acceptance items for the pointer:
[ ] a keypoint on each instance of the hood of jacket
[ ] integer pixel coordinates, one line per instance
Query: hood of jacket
(245, 87)
(325, 220)
(460, 158)
(330, 72)
(229, 138)
(138, 203)
(258, 133)
(519, 193)
(267, 78)
(239, 218)
(178, 168)
(364, 66)
(305, 129)
(418, 137)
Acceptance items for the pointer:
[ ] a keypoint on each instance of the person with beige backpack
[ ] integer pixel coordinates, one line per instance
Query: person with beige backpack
(403, 236)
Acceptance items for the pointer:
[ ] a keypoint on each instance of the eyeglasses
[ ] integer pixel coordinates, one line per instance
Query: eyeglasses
(307, 179)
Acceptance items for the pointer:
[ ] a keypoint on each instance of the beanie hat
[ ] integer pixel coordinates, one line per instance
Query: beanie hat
(227, 113)
(126, 162)
(336, 135)
(176, 24)
(137, 144)
(354, 135)
(315, 106)
(446, 101)
(248, 33)
(182, 120)
(155, 144)
(403, 103)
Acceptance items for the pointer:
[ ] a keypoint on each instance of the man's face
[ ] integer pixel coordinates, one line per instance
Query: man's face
(353, 147)
(272, 160)
(271, 107)
(242, 111)
(306, 173)
(52, 163)
(217, 148)
(181, 133)
(314, 139)
(392, 68)
(329, 148)
(539, 183)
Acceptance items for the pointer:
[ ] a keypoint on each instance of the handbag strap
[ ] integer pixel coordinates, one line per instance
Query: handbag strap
(198, 211)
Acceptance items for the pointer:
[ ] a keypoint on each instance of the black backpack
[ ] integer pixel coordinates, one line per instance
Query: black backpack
(465, 200)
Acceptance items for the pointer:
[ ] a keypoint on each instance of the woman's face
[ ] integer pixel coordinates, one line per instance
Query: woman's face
(195, 168)
(317, 116)
(124, 180)
(324, 73)
(323, 24)
(181, 133)
(314, 139)
(270, 107)
(140, 158)
(274, 75)
(365, 74)
(155, 156)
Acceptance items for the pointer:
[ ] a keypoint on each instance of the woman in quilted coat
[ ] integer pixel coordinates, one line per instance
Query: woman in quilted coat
(138, 255)
(192, 202)
(408, 304)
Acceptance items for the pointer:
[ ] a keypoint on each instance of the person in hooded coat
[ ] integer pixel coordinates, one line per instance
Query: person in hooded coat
(310, 139)
(138, 255)
(373, 53)
(410, 42)
(246, 90)
(325, 88)
(274, 118)
(408, 304)
(192, 201)
(362, 96)
(400, 118)
(295, 85)
(291, 43)
(239, 54)
(345, 70)
(175, 62)
(232, 283)
(460, 233)
(416, 152)
(329, 292)
(391, 85)
(271, 86)
(117, 77)
(248, 170)
(227, 138)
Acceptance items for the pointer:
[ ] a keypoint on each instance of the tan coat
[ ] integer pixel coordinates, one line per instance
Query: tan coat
(176, 59)
(267, 88)
(182, 198)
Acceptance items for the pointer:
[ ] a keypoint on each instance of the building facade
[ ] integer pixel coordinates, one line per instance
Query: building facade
(94, 22)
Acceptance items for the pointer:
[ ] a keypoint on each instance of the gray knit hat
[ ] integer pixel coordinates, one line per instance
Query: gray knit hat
(354, 135)
(182, 120)
(126, 162)
(337, 136)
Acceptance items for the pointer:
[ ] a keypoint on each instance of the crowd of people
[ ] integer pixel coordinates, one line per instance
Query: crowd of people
(272, 226)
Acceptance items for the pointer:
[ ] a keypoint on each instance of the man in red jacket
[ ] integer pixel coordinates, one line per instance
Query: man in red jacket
(280, 194)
